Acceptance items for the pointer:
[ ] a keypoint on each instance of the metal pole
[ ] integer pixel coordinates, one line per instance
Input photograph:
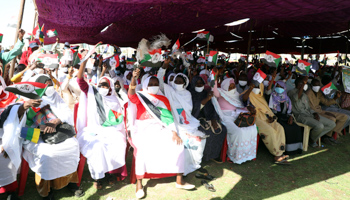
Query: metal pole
(19, 24)
(249, 43)
(302, 48)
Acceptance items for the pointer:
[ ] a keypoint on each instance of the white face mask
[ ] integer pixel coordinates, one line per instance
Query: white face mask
(316, 88)
(199, 89)
(179, 87)
(103, 91)
(50, 91)
(233, 91)
(305, 87)
(242, 83)
(266, 83)
(256, 90)
(153, 89)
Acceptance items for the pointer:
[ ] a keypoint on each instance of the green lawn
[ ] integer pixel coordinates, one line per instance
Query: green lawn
(319, 173)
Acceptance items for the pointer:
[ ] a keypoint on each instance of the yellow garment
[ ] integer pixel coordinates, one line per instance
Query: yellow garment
(44, 186)
(272, 134)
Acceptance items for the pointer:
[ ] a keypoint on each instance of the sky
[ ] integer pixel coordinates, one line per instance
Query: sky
(9, 11)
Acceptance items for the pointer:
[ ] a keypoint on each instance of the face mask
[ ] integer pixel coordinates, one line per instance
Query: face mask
(50, 91)
(279, 90)
(242, 83)
(179, 87)
(117, 72)
(292, 80)
(233, 91)
(305, 87)
(103, 91)
(65, 69)
(316, 88)
(199, 89)
(256, 90)
(266, 83)
(202, 66)
(153, 89)
(117, 90)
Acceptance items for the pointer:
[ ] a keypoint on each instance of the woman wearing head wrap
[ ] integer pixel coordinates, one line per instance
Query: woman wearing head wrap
(120, 91)
(54, 165)
(187, 125)
(158, 148)
(101, 128)
(271, 132)
(127, 79)
(281, 106)
(241, 140)
(204, 111)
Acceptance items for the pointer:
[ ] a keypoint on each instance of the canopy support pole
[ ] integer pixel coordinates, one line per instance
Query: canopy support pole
(347, 44)
(249, 43)
(19, 24)
(302, 48)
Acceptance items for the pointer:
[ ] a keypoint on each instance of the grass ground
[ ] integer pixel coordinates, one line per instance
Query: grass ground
(319, 173)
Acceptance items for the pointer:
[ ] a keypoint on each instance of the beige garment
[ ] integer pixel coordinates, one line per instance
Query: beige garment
(272, 134)
(44, 186)
(315, 100)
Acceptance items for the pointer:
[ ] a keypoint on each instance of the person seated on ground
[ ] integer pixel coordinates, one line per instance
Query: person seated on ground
(242, 82)
(281, 106)
(70, 90)
(54, 162)
(305, 114)
(241, 141)
(101, 129)
(204, 111)
(270, 131)
(316, 98)
(158, 149)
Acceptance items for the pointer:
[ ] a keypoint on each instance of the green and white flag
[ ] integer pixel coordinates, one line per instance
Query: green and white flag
(1, 35)
(272, 59)
(329, 90)
(213, 57)
(51, 33)
(303, 67)
(205, 35)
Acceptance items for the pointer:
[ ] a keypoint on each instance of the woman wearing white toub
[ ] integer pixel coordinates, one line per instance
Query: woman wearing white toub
(101, 130)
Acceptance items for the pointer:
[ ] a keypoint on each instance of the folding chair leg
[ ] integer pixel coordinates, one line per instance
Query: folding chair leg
(81, 168)
(23, 177)
(257, 145)
(335, 135)
(223, 154)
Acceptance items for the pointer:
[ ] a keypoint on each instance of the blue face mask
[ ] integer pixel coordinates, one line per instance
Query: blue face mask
(292, 80)
(279, 90)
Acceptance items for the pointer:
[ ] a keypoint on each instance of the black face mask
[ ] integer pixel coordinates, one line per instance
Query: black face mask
(117, 90)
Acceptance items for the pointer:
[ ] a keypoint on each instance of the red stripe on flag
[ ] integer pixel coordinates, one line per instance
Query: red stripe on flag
(35, 84)
(163, 99)
(272, 54)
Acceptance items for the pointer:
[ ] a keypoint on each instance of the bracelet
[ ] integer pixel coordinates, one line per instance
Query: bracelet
(133, 87)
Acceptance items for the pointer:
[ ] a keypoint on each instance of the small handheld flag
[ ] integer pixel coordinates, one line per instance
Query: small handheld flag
(303, 67)
(1, 35)
(51, 33)
(91, 51)
(31, 90)
(31, 134)
(49, 60)
(272, 59)
(41, 34)
(152, 58)
(259, 77)
(213, 57)
(176, 46)
(329, 90)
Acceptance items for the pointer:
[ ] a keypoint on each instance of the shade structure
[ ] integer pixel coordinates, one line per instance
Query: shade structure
(131, 20)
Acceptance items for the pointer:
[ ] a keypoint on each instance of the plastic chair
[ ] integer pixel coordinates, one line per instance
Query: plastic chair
(306, 135)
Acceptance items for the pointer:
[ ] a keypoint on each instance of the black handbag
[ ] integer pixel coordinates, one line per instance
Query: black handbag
(63, 132)
(245, 120)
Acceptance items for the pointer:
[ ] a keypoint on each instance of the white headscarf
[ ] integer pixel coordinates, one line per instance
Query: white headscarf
(110, 100)
(171, 82)
(228, 96)
(126, 81)
(145, 85)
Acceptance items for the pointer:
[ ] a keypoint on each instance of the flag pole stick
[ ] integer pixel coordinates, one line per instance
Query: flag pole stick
(249, 43)
(206, 66)
(19, 24)
(347, 44)
(189, 41)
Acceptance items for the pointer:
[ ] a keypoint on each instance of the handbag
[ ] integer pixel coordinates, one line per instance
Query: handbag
(63, 132)
(245, 120)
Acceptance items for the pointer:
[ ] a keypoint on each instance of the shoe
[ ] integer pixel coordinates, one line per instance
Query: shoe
(50, 196)
(78, 192)
(186, 186)
(140, 194)
(334, 140)
(217, 160)
(313, 144)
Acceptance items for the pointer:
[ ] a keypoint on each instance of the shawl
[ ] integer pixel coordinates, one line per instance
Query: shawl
(233, 99)
(276, 99)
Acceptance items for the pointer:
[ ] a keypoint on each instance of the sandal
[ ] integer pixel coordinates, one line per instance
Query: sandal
(204, 124)
(207, 186)
(78, 192)
(97, 184)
